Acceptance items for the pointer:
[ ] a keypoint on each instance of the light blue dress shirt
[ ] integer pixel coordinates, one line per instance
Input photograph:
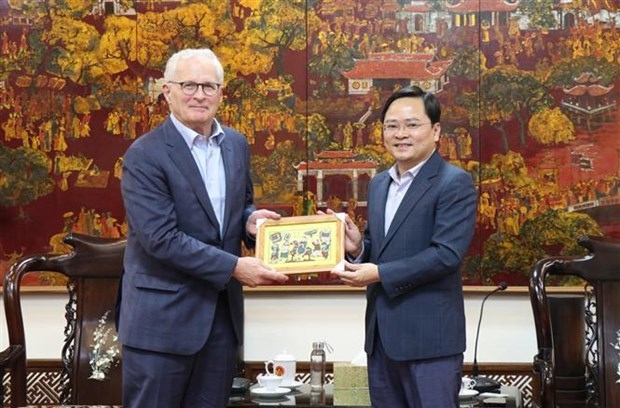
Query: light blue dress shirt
(396, 193)
(398, 187)
(208, 157)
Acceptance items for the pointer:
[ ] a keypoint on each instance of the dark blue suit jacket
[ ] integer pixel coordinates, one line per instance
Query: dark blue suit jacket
(176, 261)
(417, 308)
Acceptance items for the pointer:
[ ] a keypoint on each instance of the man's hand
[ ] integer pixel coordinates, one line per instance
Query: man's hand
(253, 272)
(358, 275)
(353, 236)
(251, 227)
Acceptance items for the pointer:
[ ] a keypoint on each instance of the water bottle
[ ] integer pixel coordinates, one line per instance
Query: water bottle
(317, 366)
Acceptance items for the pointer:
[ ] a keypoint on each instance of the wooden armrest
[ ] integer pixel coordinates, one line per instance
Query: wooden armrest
(9, 355)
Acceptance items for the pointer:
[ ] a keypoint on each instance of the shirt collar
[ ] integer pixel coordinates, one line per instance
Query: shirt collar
(190, 136)
(393, 172)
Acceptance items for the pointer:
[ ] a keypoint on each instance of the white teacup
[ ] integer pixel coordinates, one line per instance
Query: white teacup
(467, 383)
(283, 365)
(269, 381)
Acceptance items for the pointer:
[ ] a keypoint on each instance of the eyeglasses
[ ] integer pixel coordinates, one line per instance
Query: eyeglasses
(190, 88)
(411, 127)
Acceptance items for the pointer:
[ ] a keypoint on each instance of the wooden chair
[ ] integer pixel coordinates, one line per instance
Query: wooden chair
(94, 268)
(578, 336)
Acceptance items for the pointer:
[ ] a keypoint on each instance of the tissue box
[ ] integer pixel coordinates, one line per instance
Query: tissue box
(350, 384)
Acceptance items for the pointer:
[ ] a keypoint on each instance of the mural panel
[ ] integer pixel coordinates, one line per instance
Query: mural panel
(529, 92)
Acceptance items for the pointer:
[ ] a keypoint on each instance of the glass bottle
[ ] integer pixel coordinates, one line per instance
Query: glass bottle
(317, 366)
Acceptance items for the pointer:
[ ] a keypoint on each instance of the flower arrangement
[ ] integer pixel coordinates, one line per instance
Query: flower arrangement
(105, 352)
(617, 347)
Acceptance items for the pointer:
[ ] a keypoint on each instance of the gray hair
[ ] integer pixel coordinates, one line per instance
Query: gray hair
(205, 53)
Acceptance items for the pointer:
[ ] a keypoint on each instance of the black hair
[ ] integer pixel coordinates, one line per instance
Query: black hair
(432, 107)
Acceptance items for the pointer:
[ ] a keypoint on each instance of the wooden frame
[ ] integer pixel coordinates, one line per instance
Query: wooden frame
(302, 244)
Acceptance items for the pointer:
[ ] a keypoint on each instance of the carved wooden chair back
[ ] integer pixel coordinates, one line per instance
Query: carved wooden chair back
(576, 370)
(93, 267)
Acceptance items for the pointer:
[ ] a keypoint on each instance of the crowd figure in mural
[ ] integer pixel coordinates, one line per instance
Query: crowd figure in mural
(391, 34)
(350, 135)
(583, 40)
(457, 145)
(253, 121)
(592, 39)
(42, 128)
(87, 222)
(507, 210)
(12, 49)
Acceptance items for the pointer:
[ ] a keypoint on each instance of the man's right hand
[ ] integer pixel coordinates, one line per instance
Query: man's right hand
(253, 272)
(353, 236)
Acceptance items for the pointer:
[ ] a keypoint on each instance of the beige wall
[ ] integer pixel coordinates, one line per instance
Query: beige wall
(278, 321)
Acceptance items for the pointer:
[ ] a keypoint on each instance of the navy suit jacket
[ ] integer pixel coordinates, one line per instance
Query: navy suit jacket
(176, 261)
(417, 308)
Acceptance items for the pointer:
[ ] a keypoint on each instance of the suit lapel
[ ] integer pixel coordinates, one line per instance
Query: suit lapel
(380, 197)
(183, 159)
(419, 186)
(232, 170)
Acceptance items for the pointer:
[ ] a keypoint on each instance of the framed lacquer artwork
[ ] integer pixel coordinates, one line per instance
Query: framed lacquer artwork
(302, 244)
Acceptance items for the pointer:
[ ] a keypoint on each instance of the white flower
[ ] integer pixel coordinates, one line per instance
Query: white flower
(617, 347)
(102, 358)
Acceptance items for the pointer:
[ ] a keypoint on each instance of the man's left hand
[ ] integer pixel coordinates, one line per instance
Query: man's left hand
(358, 275)
(251, 227)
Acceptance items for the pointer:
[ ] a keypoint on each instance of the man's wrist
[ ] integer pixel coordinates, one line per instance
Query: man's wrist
(356, 257)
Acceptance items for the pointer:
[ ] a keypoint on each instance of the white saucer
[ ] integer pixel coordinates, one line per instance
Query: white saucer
(294, 385)
(265, 393)
(467, 394)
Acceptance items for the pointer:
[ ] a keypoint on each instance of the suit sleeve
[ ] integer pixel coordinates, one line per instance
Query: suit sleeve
(450, 238)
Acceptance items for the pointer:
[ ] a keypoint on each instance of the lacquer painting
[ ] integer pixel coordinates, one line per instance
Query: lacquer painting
(529, 91)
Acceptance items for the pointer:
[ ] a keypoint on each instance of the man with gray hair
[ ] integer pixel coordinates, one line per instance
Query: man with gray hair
(189, 201)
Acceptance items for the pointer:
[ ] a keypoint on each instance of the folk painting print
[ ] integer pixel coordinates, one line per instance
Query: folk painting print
(529, 91)
(304, 244)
